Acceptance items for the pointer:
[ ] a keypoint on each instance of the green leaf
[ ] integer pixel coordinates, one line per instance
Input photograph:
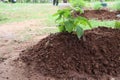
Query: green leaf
(69, 26)
(61, 28)
(79, 31)
(66, 14)
(59, 18)
(84, 21)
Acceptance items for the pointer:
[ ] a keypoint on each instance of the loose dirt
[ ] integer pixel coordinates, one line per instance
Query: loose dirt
(101, 14)
(96, 56)
(11, 45)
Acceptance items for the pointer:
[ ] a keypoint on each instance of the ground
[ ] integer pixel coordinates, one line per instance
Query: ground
(20, 31)
(11, 45)
(21, 26)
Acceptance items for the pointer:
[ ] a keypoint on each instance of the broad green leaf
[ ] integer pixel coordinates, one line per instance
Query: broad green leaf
(84, 21)
(59, 17)
(69, 26)
(61, 28)
(66, 14)
(58, 12)
(79, 31)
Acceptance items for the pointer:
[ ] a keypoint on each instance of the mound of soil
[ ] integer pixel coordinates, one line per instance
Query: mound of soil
(101, 14)
(97, 53)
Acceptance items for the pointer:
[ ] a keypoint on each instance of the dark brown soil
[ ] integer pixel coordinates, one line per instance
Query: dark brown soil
(97, 53)
(101, 14)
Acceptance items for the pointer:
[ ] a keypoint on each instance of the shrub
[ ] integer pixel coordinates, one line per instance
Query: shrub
(97, 6)
(117, 24)
(77, 3)
(67, 22)
(117, 5)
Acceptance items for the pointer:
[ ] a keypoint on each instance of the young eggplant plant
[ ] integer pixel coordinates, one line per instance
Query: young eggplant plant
(68, 22)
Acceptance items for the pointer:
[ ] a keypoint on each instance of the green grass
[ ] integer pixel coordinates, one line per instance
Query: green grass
(112, 5)
(116, 6)
(21, 12)
(96, 23)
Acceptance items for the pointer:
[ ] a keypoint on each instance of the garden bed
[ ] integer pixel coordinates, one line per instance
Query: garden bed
(62, 55)
(101, 14)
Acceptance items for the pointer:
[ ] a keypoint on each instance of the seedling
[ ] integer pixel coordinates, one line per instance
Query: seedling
(68, 22)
